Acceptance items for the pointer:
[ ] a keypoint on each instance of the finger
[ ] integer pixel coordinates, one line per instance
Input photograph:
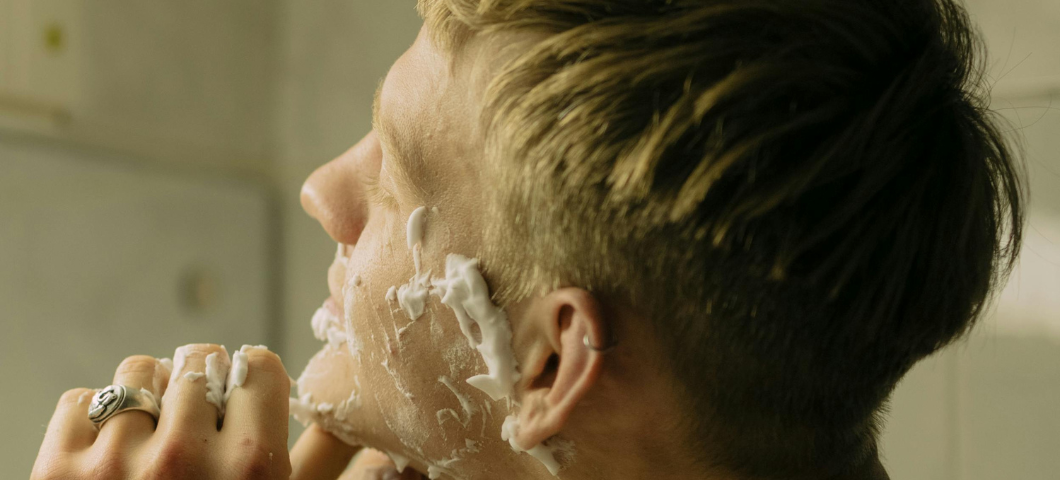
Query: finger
(70, 430)
(318, 455)
(136, 372)
(257, 390)
(375, 465)
(186, 407)
(163, 370)
(380, 473)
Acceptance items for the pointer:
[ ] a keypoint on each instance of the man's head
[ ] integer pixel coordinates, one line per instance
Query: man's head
(779, 206)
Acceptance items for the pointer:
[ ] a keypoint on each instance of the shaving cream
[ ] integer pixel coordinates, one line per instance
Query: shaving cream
(466, 293)
(238, 374)
(544, 454)
(217, 367)
(412, 296)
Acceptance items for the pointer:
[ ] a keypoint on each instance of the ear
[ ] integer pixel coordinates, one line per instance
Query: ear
(558, 369)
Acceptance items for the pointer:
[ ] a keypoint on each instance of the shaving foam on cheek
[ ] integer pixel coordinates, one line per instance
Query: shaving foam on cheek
(328, 328)
(414, 232)
(305, 410)
(412, 296)
(465, 291)
(469, 408)
(437, 468)
(302, 409)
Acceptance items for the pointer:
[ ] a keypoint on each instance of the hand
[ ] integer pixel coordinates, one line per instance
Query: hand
(187, 441)
(376, 465)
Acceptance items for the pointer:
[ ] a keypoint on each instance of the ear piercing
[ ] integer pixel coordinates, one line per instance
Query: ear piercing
(601, 350)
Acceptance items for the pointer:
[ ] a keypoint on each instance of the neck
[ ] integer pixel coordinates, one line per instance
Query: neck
(626, 460)
(618, 466)
(870, 469)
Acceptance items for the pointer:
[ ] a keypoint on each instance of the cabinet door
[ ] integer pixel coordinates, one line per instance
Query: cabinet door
(5, 44)
(41, 49)
(100, 261)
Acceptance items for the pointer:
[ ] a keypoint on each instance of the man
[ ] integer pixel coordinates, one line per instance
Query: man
(622, 239)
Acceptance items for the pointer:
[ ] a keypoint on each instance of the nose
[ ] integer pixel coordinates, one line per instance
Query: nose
(334, 194)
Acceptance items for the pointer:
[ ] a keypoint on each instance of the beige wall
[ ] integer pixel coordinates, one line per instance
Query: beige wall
(186, 85)
(135, 166)
(261, 92)
(332, 56)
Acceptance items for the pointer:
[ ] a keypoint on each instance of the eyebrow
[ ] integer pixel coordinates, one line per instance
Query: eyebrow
(407, 161)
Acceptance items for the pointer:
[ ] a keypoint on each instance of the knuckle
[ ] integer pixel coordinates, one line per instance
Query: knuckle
(107, 466)
(257, 460)
(51, 468)
(172, 460)
(136, 364)
(252, 468)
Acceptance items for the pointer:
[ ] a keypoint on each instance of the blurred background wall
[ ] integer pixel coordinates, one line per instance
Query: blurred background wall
(151, 155)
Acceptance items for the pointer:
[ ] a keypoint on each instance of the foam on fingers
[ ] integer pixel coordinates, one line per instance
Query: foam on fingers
(223, 374)
(217, 368)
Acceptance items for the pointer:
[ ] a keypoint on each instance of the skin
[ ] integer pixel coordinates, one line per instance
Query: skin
(363, 201)
(428, 97)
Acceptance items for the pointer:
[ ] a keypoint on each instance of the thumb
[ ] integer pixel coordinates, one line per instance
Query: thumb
(318, 455)
(375, 465)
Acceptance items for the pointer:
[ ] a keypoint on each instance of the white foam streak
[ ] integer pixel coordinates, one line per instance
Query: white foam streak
(465, 291)
(217, 367)
(541, 452)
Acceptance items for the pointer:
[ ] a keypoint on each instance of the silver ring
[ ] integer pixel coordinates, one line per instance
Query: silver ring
(601, 350)
(116, 399)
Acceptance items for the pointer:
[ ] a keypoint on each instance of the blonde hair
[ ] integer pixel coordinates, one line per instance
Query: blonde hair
(804, 198)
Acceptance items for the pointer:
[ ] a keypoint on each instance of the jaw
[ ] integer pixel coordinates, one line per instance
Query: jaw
(392, 423)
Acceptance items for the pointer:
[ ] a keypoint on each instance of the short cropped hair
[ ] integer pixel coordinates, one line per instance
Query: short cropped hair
(803, 197)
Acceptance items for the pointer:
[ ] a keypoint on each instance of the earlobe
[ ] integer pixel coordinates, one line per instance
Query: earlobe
(560, 369)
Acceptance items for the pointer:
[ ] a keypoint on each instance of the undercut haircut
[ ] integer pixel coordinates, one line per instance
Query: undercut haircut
(803, 197)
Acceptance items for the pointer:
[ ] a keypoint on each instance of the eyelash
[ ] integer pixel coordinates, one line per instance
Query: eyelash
(377, 194)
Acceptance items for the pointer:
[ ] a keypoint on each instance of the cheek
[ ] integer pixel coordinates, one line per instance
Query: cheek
(396, 368)
(415, 370)
(376, 264)
(407, 377)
